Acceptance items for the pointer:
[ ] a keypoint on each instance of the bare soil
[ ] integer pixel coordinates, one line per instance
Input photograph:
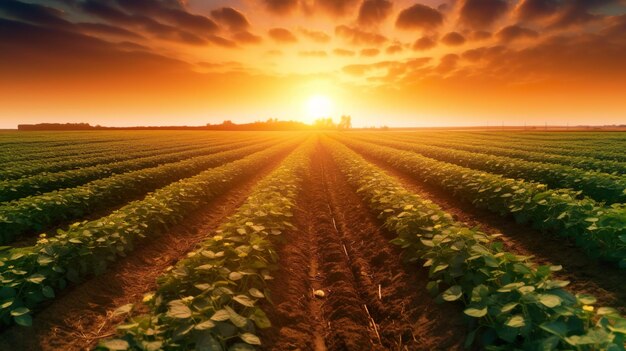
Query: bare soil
(372, 300)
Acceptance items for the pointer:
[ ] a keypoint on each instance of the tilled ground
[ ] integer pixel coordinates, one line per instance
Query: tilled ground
(372, 301)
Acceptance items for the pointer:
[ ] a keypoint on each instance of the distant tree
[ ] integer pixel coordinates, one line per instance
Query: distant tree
(228, 122)
(325, 123)
(345, 122)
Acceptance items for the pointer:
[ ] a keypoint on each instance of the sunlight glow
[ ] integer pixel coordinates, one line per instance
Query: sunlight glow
(318, 106)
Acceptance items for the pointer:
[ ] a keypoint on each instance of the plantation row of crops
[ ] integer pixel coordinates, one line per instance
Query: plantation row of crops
(599, 186)
(599, 229)
(222, 295)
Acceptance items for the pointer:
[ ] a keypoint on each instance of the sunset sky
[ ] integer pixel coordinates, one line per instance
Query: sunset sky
(398, 63)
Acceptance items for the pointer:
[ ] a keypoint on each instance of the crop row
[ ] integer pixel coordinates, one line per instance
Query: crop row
(502, 149)
(210, 300)
(595, 152)
(598, 229)
(596, 185)
(42, 183)
(511, 304)
(37, 213)
(31, 275)
(129, 151)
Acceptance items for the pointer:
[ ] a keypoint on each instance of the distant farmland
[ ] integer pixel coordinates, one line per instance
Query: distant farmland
(398, 240)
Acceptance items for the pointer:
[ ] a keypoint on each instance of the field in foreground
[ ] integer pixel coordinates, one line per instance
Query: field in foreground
(312, 241)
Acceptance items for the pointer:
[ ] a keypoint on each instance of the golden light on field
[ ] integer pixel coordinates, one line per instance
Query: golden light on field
(318, 106)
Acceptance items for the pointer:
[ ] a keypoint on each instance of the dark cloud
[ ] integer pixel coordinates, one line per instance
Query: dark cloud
(577, 12)
(171, 12)
(358, 37)
(373, 12)
(163, 31)
(479, 35)
(453, 39)
(313, 53)
(394, 49)
(424, 43)
(105, 29)
(370, 52)
(33, 13)
(281, 7)
(220, 41)
(419, 17)
(282, 35)
(231, 18)
(532, 10)
(245, 37)
(336, 8)
(318, 37)
(479, 14)
(487, 53)
(73, 54)
(511, 33)
(343, 52)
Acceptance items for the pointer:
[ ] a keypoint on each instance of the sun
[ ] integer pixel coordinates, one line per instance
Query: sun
(318, 106)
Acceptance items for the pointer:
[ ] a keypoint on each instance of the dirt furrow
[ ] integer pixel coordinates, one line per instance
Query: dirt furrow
(84, 314)
(407, 317)
(585, 274)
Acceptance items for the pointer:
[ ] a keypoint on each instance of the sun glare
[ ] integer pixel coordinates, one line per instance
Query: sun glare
(318, 106)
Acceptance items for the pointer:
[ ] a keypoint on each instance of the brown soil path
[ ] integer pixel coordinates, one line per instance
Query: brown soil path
(373, 301)
(84, 314)
(586, 275)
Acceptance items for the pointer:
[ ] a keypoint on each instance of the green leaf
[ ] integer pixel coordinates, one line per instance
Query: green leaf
(123, 310)
(36, 278)
(453, 293)
(178, 309)
(557, 328)
(115, 344)
(256, 293)
(19, 311)
(244, 300)
(208, 324)
(586, 299)
(24, 320)
(476, 312)
(220, 316)
(549, 300)
(516, 321)
(48, 292)
(250, 338)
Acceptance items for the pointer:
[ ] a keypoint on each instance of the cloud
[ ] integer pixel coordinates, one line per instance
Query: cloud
(318, 37)
(231, 18)
(373, 12)
(479, 14)
(343, 52)
(532, 10)
(453, 39)
(477, 54)
(394, 49)
(511, 33)
(359, 37)
(371, 52)
(33, 13)
(313, 53)
(479, 35)
(424, 43)
(282, 35)
(246, 37)
(336, 8)
(169, 11)
(419, 17)
(447, 63)
(105, 29)
(281, 7)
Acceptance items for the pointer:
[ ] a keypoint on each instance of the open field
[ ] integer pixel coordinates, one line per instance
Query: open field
(398, 240)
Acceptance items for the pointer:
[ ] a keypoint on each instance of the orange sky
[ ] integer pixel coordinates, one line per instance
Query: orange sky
(399, 63)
